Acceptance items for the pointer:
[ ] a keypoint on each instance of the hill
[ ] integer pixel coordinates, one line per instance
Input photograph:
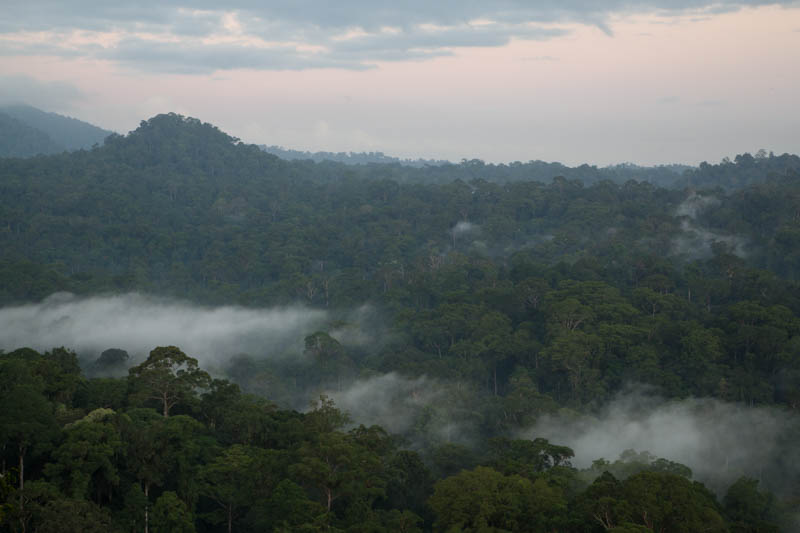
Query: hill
(62, 133)
(179, 208)
(18, 139)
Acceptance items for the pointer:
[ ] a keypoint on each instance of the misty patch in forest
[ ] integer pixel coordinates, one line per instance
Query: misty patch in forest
(461, 230)
(390, 400)
(361, 328)
(137, 323)
(713, 438)
(697, 242)
(423, 410)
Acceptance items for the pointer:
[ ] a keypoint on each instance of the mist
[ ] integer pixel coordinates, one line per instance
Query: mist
(713, 438)
(138, 323)
(423, 410)
(696, 242)
(389, 400)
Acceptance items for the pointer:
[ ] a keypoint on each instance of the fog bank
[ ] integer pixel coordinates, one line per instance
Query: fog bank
(719, 441)
(138, 323)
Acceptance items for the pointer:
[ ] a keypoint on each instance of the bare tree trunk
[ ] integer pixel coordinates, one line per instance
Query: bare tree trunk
(21, 479)
(146, 506)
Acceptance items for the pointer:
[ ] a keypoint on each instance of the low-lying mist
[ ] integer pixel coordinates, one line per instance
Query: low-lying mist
(423, 410)
(719, 441)
(138, 323)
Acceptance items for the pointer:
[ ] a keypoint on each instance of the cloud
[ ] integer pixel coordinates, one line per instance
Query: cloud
(138, 323)
(56, 95)
(713, 438)
(195, 37)
(190, 57)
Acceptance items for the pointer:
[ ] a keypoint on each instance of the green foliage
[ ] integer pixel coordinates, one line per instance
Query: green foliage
(749, 509)
(485, 500)
(516, 290)
(168, 376)
(170, 515)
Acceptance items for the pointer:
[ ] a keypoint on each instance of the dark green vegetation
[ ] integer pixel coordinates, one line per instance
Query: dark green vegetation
(27, 131)
(532, 296)
(170, 449)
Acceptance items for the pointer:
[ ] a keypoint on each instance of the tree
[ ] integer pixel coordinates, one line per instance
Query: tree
(486, 500)
(168, 376)
(237, 479)
(171, 515)
(160, 449)
(86, 463)
(26, 419)
(527, 457)
(749, 508)
(669, 502)
(74, 516)
(337, 466)
(287, 509)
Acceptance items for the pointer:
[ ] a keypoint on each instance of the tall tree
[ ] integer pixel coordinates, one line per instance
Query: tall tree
(168, 376)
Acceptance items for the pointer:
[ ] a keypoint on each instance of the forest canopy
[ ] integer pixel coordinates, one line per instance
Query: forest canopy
(451, 316)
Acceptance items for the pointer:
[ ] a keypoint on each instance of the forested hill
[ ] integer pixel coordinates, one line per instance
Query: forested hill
(179, 206)
(27, 131)
(18, 139)
(493, 305)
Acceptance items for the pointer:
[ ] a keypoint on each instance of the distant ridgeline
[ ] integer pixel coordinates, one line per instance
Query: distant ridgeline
(349, 158)
(475, 168)
(26, 131)
(743, 171)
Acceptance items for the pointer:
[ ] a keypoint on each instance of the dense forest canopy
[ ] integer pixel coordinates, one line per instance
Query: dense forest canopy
(470, 311)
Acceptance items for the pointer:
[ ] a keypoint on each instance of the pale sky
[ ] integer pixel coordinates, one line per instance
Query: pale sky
(643, 81)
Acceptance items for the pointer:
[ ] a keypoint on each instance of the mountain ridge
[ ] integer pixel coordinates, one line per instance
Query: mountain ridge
(57, 133)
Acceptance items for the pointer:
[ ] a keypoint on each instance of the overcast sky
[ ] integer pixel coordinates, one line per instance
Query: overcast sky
(559, 80)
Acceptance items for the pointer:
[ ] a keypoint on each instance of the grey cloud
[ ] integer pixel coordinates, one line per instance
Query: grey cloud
(138, 323)
(197, 58)
(370, 15)
(317, 23)
(54, 95)
(459, 36)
